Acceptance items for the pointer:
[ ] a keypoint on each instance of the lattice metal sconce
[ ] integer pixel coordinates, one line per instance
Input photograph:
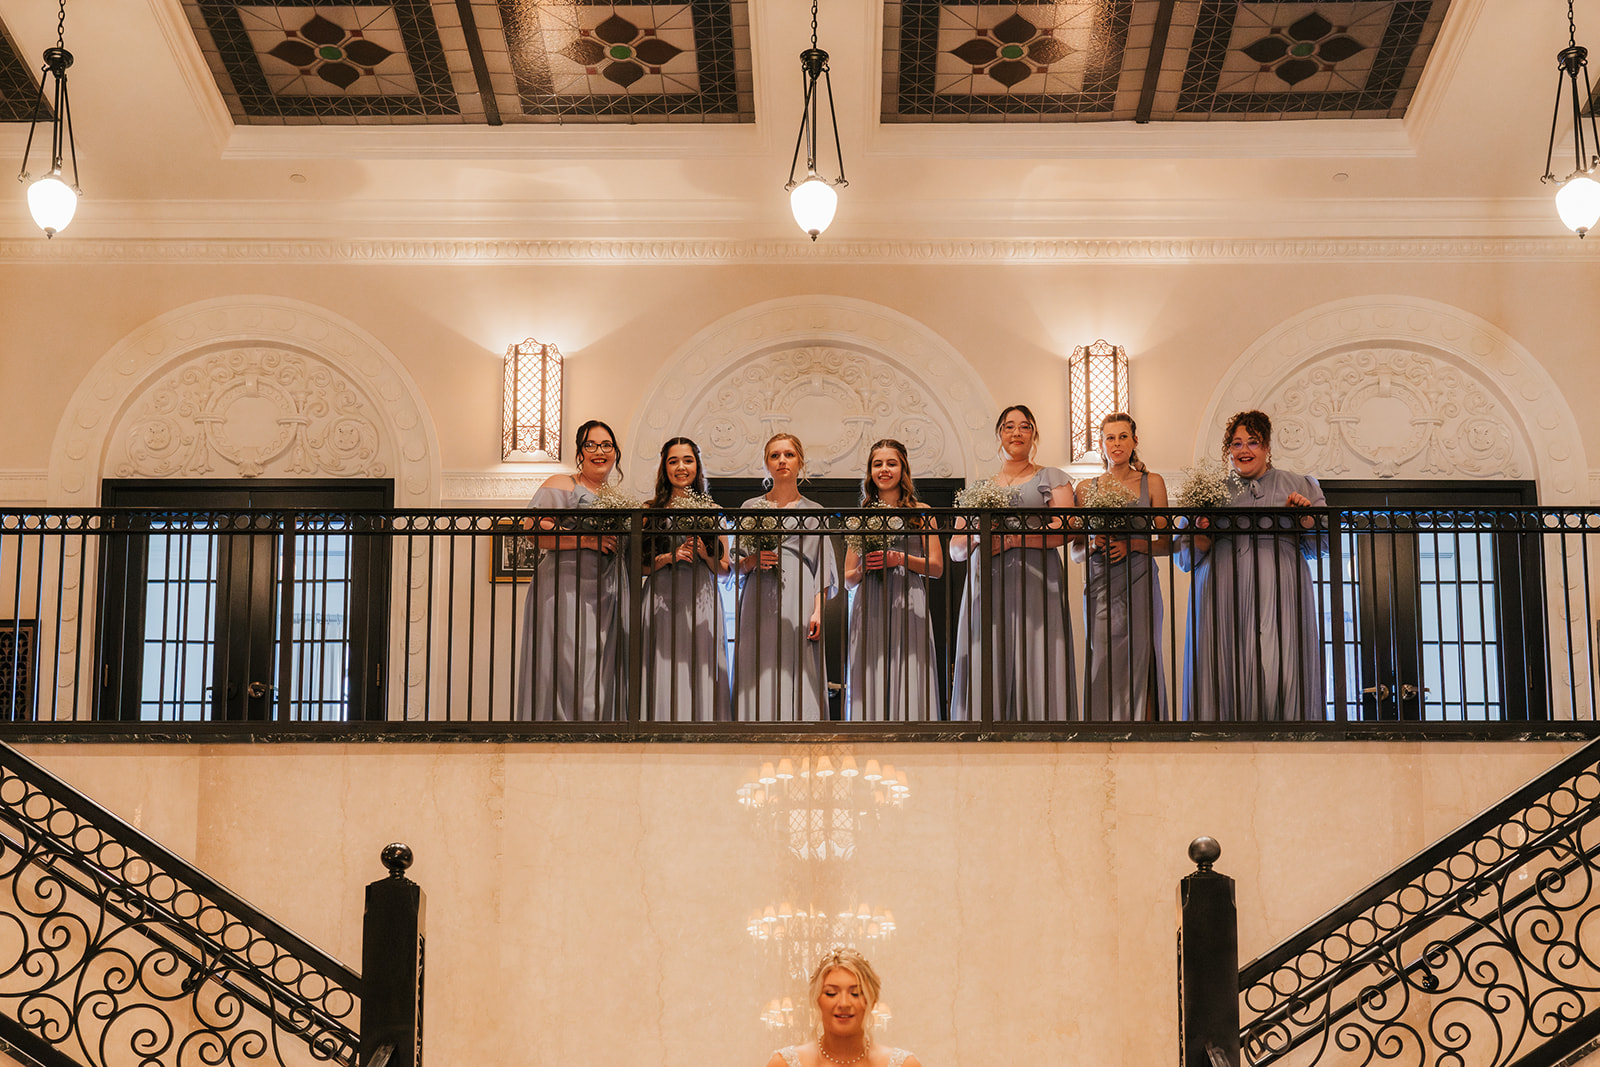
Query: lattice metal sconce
(531, 426)
(1097, 385)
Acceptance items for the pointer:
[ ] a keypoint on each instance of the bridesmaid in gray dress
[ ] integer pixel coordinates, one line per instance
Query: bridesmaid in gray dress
(894, 666)
(1253, 650)
(779, 673)
(685, 655)
(572, 630)
(1122, 597)
(1030, 640)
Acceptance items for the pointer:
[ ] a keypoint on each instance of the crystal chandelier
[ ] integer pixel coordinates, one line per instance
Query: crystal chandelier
(819, 811)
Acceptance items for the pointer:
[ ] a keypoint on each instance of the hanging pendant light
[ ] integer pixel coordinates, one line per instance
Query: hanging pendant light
(812, 198)
(1578, 199)
(51, 200)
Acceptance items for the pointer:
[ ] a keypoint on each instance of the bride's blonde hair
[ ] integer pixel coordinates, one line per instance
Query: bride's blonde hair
(847, 959)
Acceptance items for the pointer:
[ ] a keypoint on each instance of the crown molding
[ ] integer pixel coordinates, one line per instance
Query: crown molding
(497, 487)
(1043, 252)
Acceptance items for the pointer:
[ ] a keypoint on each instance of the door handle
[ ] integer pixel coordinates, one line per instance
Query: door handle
(257, 690)
(1410, 692)
(1381, 691)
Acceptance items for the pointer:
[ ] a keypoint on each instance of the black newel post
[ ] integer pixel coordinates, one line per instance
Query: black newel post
(1208, 964)
(391, 967)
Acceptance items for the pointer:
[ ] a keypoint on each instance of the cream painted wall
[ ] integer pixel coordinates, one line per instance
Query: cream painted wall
(1183, 325)
(586, 904)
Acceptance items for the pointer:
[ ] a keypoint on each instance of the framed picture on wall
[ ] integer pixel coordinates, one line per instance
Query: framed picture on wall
(514, 553)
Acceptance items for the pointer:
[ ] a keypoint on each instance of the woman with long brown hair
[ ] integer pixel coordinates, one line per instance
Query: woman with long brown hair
(893, 663)
(685, 654)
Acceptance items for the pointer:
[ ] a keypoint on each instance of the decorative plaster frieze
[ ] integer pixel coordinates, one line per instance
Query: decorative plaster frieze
(22, 488)
(1396, 385)
(294, 385)
(476, 487)
(1130, 250)
(835, 371)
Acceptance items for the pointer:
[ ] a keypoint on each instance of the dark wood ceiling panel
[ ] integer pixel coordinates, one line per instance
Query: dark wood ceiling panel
(1153, 60)
(479, 61)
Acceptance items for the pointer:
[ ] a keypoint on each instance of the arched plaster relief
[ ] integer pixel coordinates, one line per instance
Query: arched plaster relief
(837, 372)
(311, 392)
(1450, 396)
(242, 387)
(1404, 387)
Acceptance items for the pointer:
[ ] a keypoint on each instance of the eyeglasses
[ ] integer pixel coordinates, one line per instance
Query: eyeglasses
(1240, 446)
(599, 446)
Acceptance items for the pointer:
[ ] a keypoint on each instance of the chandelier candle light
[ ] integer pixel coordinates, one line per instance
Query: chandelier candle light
(812, 198)
(1578, 199)
(50, 199)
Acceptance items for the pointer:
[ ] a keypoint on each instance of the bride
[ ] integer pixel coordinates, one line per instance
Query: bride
(844, 990)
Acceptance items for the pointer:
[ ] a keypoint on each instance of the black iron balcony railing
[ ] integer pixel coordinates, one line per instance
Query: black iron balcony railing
(945, 616)
(1477, 951)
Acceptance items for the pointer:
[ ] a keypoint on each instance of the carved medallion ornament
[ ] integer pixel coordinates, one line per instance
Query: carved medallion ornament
(1391, 413)
(836, 400)
(248, 412)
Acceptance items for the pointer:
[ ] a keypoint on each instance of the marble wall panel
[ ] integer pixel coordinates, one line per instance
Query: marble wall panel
(589, 903)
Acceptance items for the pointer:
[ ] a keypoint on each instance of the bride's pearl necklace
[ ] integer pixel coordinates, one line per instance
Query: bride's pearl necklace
(823, 1049)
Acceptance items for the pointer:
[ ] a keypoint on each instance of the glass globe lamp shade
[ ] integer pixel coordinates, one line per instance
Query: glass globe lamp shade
(1578, 203)
(53, 203)
(813, 202)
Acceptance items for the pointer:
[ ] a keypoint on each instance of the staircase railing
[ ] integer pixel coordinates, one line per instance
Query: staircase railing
(1484, 949)
(114, 951)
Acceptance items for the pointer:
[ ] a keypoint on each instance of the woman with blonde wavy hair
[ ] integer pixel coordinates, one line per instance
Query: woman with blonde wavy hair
(844, 990)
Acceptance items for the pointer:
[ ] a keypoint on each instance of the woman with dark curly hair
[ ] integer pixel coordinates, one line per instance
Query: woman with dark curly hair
(1253, 651)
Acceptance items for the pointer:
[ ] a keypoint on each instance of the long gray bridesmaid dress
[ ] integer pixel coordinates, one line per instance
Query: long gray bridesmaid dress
(894, 666)
(1122, 635)
(685, 653)
(572, 627)
(1253, 652)
(778, 674)
(1031, 638)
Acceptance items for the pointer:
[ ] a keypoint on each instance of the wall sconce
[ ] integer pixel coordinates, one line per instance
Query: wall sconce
(1097, 385)
(1578, 199)
(50, 199)
(531, 424)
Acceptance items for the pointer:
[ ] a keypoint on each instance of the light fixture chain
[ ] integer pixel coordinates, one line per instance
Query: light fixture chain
(61, 24)
(1572, 26)
(814, 19)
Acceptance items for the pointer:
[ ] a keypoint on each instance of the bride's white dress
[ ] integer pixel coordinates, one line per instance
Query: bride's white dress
(791, 1056)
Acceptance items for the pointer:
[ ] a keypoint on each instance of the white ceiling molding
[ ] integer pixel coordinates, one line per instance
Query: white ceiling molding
(1152, 251)
(191, 64)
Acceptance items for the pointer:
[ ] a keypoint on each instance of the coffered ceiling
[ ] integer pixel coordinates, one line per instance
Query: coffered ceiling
(969, 119)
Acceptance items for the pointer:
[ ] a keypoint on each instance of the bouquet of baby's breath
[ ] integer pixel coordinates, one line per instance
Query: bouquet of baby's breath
(1105, 494)
(609, 498)
(1206, 485)
(990, 494)
(760, 533)
(871, 533)
(986, 494)
(697, 524)
(694, 501)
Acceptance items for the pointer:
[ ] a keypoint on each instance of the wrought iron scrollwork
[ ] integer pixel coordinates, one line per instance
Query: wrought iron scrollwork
(117, 952)
(1477, 951)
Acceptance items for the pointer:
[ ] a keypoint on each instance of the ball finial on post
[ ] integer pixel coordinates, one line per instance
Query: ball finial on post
(397, 857)
(1204, 851)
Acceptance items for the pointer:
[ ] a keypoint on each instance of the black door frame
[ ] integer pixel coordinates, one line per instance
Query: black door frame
(249, 566)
